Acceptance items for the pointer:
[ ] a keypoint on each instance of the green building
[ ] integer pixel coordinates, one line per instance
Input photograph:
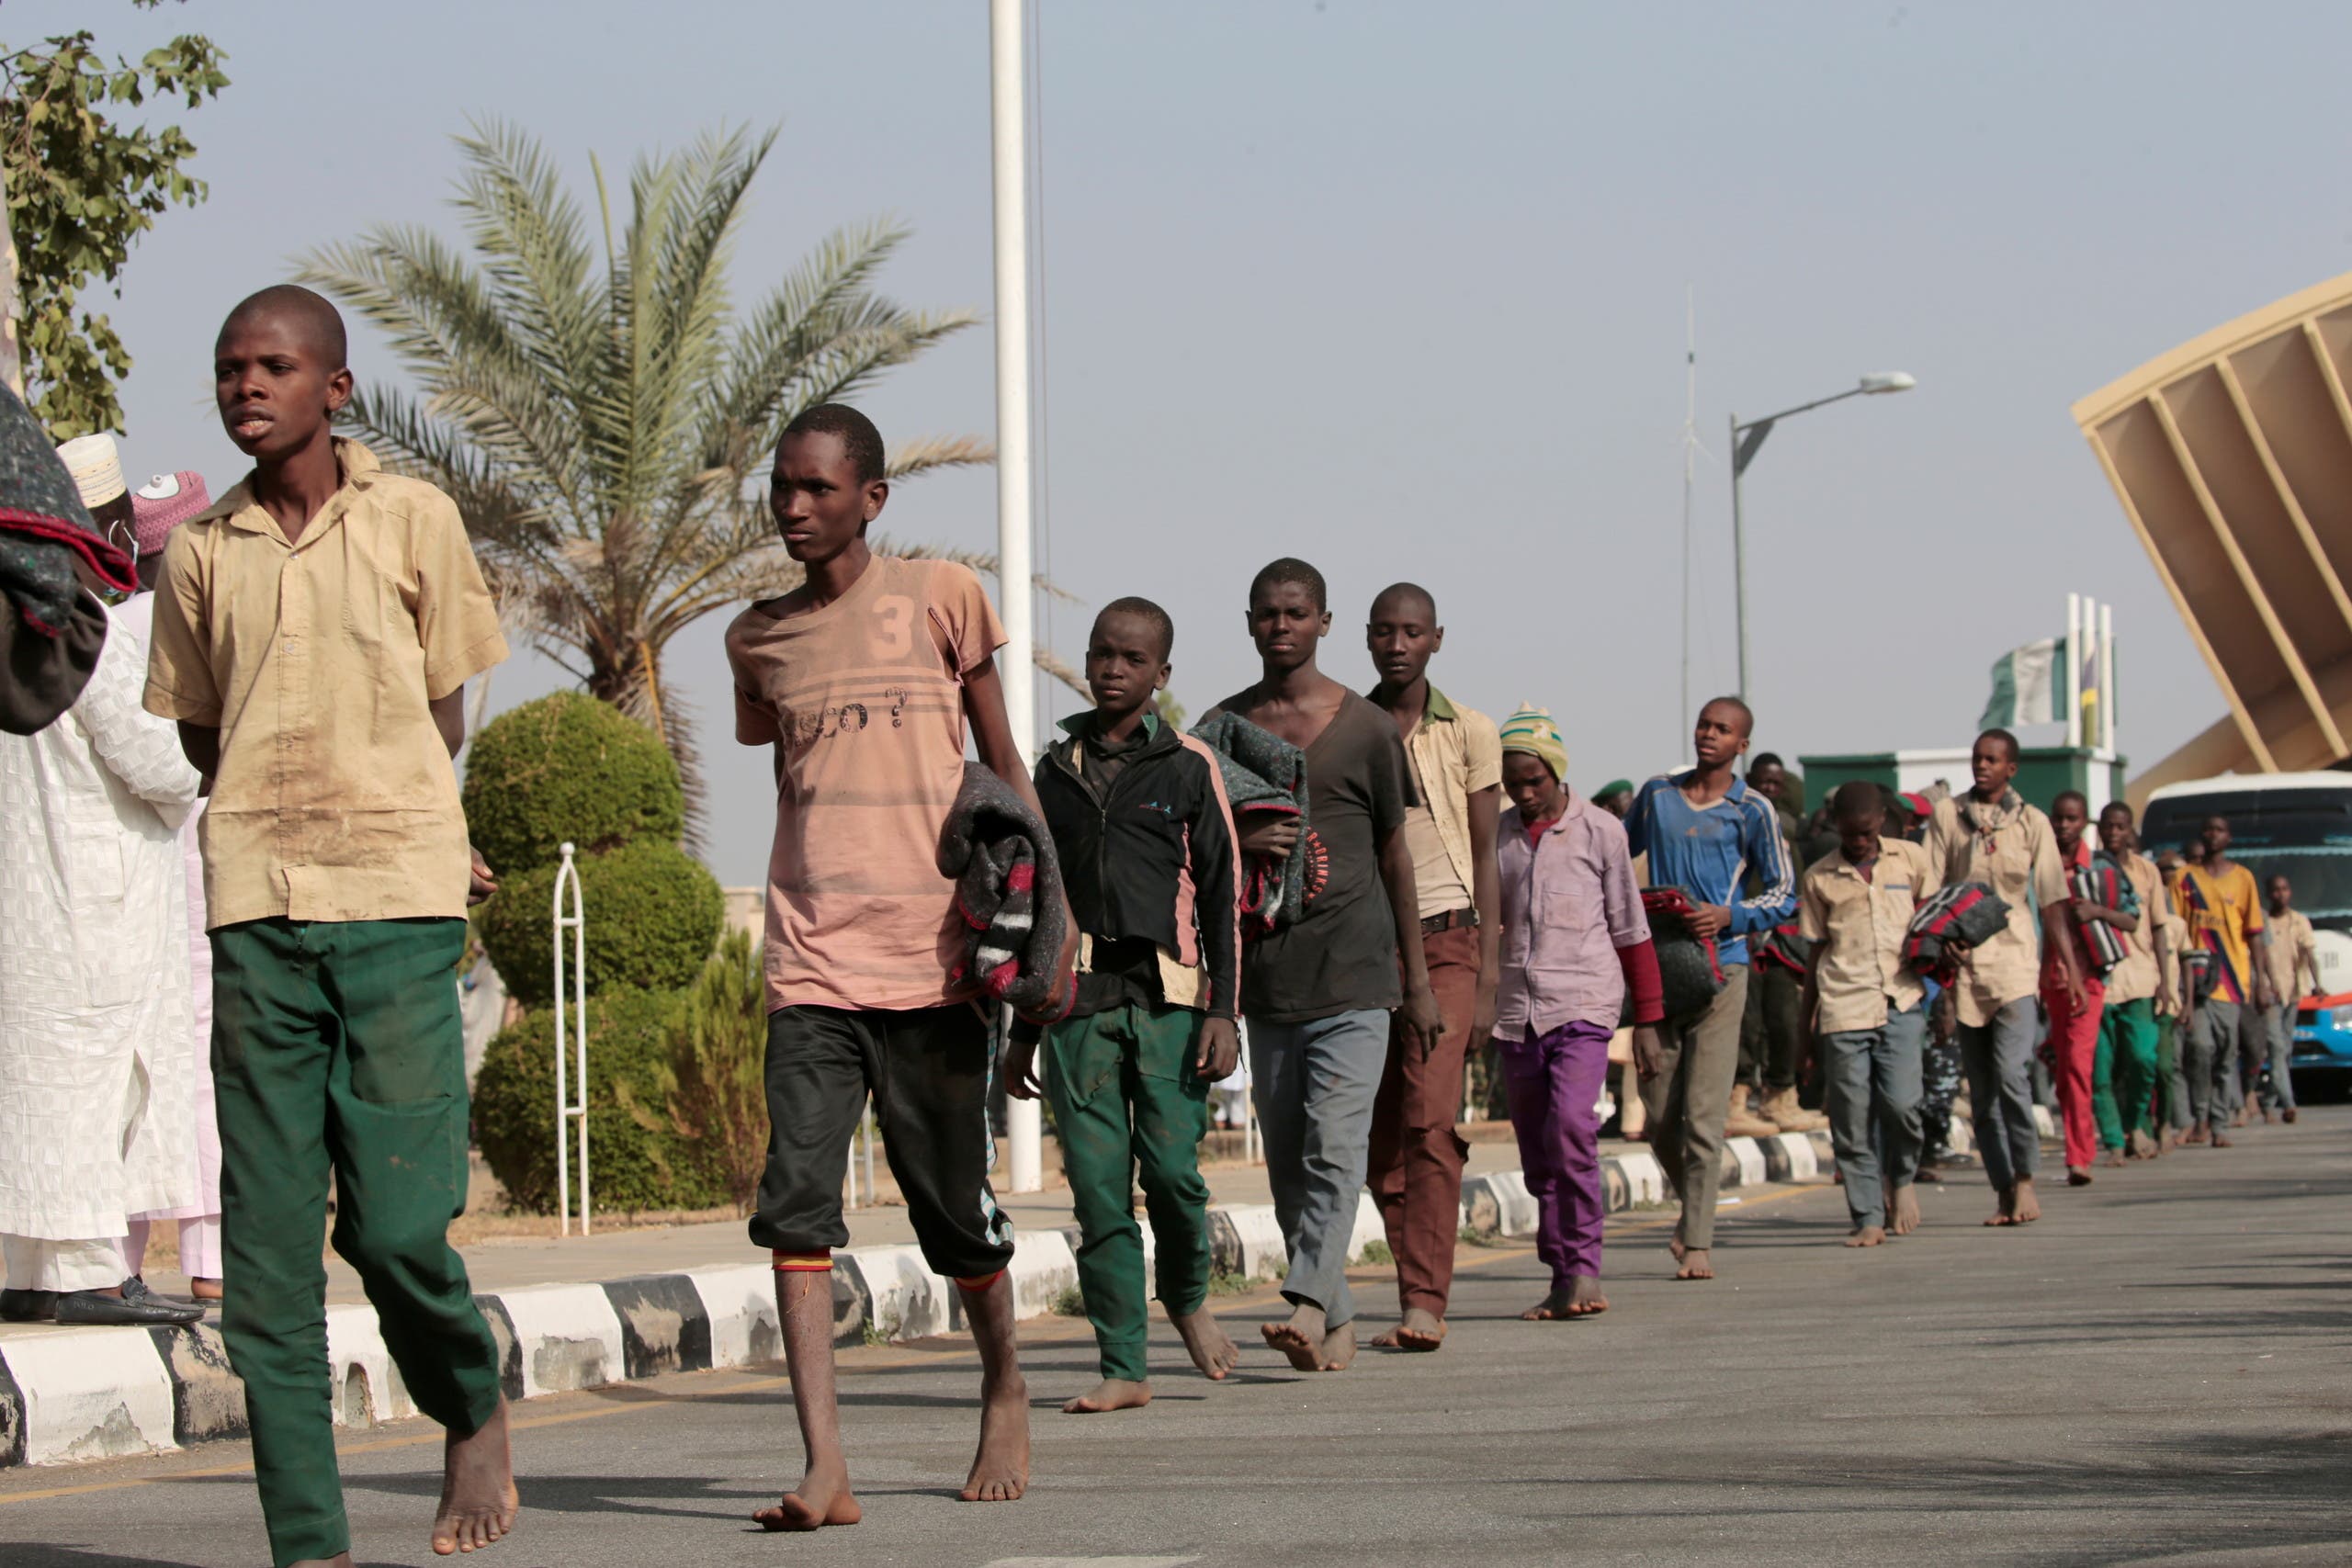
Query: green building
(2042, 772)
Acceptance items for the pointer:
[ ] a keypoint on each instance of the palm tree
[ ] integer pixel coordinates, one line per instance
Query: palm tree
(600, 420)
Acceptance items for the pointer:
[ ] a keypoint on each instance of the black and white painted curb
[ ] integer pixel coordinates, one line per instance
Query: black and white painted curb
(80, 1393)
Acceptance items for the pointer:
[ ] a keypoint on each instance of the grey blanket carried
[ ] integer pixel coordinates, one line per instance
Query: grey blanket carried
(1264, 773)
(1009, 892)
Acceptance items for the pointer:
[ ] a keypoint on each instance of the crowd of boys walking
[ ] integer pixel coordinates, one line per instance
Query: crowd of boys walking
(1426, 888)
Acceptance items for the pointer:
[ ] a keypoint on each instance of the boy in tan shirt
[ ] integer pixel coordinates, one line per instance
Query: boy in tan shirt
(1868, 1009)
(313, 634)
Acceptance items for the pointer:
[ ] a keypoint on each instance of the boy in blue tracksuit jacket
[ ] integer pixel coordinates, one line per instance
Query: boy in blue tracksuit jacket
(1145, 837)
(1703, 831)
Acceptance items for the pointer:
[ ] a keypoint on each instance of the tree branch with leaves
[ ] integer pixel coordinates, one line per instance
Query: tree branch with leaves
(82, 186)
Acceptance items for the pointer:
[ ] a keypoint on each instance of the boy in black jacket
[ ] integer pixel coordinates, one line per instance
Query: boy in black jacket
(1145, 837)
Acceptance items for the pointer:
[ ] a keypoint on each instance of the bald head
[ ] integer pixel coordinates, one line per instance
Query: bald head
(317, 324)
(1401, 596)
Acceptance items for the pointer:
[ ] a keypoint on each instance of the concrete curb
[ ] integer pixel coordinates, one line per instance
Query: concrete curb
(79, 1394)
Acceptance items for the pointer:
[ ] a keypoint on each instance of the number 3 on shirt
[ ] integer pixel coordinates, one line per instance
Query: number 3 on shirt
(896, 615)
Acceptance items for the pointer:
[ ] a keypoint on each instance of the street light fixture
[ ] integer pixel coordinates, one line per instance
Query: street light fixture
(1745, 440)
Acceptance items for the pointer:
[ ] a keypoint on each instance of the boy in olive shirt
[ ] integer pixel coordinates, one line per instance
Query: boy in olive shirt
(313, 634)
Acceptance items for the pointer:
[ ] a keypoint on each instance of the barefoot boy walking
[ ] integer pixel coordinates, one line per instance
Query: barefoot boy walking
(312, 636)
(1870, 1012)
(1703, 831)
(1576, 948)
(862, 682)
(1144, 839)
(1991, 835)
(1416, 1153)
(1319, 992)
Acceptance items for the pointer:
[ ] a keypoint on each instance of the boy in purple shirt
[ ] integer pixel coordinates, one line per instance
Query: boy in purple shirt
(1574, 942)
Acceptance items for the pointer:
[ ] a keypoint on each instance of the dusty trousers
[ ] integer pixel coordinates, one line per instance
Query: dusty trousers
(1417, 1154)
(1687, 1099)
(337, 1047)
(1128, 1108)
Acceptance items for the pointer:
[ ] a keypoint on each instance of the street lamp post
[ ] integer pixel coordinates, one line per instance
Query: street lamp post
(1746, 439)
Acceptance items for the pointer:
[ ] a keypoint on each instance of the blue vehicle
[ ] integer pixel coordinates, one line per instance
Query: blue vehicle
(2299, 824)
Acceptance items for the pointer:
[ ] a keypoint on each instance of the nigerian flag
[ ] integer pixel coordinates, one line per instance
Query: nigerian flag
(2026, 686)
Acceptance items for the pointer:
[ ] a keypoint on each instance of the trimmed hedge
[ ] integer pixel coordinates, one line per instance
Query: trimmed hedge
(636, 1159)
(653, 914)
(567, 768)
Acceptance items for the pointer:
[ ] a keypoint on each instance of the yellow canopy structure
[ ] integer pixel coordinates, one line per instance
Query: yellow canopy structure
(2233, 457)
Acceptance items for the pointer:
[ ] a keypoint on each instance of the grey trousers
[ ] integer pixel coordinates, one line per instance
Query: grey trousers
(2212, 1050)
(1873, 1082)
(2278, 1025)
(1998, 1058)
(1314, 1084)
(1689, 1098)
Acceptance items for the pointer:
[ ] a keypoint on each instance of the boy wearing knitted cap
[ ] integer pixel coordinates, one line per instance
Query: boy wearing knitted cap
(313, 634)
(1575, 945)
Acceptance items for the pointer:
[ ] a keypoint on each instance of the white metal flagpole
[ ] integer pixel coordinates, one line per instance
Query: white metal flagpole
(2073, 671)
(1008, 111)
(2107, 676)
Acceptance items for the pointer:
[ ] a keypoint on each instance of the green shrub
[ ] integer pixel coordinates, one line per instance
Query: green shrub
(631, 1165)
(653, 914)
(714, 1086)
(567, 768)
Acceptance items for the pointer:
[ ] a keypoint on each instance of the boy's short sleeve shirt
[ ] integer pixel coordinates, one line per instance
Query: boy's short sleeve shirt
(1859, 925)
(1343, 956)
(318, 662)
(864, 696)
(2223, 914)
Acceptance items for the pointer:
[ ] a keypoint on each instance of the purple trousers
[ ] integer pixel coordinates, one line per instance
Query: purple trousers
(1554, 1082)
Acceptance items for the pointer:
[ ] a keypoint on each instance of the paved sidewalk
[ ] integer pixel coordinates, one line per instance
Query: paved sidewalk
(505, 1264)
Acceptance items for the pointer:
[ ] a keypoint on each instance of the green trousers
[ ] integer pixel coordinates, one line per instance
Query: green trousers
(1128, 1107)
(2123, 1077)
(2173, 1108)
(336, 1046)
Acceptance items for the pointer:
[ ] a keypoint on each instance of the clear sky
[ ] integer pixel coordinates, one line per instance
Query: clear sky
(1399, 288)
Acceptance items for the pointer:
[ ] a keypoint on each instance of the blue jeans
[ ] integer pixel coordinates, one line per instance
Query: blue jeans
(1873, 1081)
(1998, 1058)
(1314, 1084)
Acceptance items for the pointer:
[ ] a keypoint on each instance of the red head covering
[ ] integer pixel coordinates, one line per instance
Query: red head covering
(162, 505)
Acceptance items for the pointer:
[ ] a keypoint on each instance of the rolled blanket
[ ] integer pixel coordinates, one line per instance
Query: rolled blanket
(1967, 912)
(1264, 773)
(1009, 892)
(1687, 970)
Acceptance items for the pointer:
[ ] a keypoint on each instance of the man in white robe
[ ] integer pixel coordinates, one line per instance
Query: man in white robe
(96, 1032)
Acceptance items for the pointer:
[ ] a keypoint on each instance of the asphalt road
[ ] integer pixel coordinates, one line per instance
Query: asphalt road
(2155, 1372)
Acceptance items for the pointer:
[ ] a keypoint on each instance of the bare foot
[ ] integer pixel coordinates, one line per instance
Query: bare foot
(1695, 1265)
(2221, 1140)
(2007, 1215)
(2028, 1207)
(1111, 1393)
(1421, 1330)
(1903, 1211)
(1552, 1308)
(1206, 1342)
(204, 1289)
(822, 1498)
(2078, 1176)
(2142, 1146)
(1299, 1338)
(1339, 1349)
(2113, 1159)
(1867, 1236)
(478, 1497)
(1585, 1299)
(1675, 1244)
(1001, 1468)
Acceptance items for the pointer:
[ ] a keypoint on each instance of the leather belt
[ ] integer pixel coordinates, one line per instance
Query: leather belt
(1461, 920)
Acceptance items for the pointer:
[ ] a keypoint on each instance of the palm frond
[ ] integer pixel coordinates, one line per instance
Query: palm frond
(927, 453)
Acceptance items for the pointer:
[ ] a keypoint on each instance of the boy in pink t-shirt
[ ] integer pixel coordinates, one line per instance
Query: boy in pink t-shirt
(862, 681)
